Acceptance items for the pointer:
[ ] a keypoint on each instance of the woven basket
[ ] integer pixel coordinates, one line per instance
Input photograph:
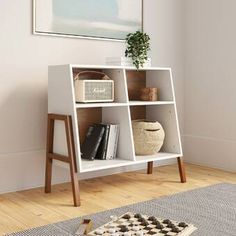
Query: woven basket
(148, 137)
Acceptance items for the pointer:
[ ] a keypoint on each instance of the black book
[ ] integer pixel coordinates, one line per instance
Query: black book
(92, 141)
(102, 150)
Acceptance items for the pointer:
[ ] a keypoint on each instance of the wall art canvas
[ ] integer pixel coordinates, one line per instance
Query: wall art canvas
(104, 19)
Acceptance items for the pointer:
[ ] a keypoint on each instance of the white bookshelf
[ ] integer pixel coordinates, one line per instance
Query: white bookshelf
(70, 120)
(61, 100)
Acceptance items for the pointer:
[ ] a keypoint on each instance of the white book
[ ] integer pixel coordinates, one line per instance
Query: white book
(118, 59)
(116, 142)
(124, 61)
(111, 142)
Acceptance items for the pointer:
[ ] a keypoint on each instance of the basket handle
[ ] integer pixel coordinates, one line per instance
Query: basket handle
(94, 74)
(152, 130)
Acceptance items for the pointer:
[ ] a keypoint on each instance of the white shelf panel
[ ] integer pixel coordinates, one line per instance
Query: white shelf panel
(117, 67)
(157, 157)
(107, 164)
(143, 103)
(103, 164)
(101, 104)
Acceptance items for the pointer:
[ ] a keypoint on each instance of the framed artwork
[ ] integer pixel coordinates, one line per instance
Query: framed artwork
(99, 19)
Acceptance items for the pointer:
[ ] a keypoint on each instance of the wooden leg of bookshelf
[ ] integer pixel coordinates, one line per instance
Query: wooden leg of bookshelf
(73, 168)
(181, 170)
(49, 149)
(70, 159)
(150, 167)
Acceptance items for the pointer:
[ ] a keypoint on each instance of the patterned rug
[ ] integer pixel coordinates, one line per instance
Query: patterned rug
(211, 209)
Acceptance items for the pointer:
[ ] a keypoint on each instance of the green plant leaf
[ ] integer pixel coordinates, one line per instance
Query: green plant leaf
(137, 47)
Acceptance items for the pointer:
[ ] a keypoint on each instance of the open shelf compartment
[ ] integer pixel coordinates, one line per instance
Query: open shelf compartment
(114, 115)
(160, 79)
(117, 75)
(166, 116)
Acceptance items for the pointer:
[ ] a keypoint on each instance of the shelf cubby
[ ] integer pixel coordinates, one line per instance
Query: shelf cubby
(117, 76)
(166, 116)
(109, 115)
(161, 79)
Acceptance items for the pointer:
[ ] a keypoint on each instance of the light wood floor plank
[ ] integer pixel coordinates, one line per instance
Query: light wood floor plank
(31, 208)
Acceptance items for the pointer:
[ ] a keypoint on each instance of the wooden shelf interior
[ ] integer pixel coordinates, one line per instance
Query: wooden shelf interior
(87, 117)
(165, 115)
(136, 80)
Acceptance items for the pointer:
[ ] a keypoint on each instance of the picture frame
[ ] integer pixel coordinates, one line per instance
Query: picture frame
(56, 18)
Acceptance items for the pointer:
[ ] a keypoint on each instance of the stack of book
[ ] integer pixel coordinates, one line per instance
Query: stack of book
(100, 142)
(124, 61)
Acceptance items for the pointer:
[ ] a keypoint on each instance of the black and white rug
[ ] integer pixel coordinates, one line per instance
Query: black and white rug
(211, 209)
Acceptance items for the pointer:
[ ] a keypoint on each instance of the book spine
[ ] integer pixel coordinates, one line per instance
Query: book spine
(116, 141)
(93, 155)
(106, 137)
(111, 143)
(108, 143)
(87, 137)
(101, 148)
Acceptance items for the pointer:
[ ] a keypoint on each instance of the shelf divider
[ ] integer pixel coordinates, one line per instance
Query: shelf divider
(101, 104)
(144, 103)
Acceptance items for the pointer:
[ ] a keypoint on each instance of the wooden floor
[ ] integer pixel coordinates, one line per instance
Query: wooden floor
(31, 208)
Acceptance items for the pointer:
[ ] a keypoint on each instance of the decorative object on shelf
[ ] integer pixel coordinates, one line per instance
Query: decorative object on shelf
(93, 86)
(149, 94)
(130, 224)
(137, 48)
(102, 19)
(148, 137)
(124, 61)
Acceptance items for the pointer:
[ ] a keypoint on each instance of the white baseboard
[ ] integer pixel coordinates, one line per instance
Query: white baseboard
(26, 170)
(210, 152)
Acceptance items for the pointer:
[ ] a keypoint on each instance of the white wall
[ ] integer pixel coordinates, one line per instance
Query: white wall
(210, 83)
(23, 81)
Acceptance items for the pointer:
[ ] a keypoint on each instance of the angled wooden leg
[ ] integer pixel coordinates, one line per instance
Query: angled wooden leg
(150, 167)
(75, 186)
(70, 159)
(48, 176)
(71, 156)
(49, 149)
(181, 170)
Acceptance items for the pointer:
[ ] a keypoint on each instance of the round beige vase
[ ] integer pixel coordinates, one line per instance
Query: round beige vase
(148, 137)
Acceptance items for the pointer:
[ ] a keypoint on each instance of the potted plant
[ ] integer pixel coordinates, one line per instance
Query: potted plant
(137, 48)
